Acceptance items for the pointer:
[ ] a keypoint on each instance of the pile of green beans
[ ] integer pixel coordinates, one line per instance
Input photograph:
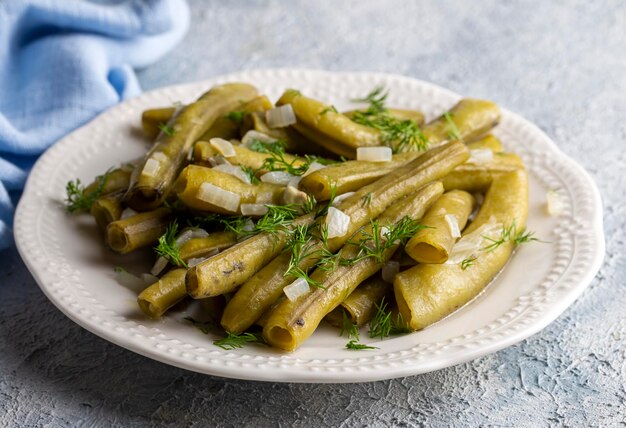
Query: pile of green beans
(214, 197)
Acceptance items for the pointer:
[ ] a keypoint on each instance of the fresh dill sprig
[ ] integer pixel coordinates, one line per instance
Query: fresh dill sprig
(376, 242)
(348, 327)
(236, 116)
(309, 205)
(205, 327)
(167, 129)
(301, 245)
(277, 218)
(353, 345)
(383, 325)
(510, 234)
(330, 108)
(168, 248)
(263, 147)
(376, 100)
(366, 199)
(467, 262)
(453, 130)
(251, 173)
(323, 210)
(328, 261)
(397, 133)
(235, 341)
(78, 199)
(277, 160)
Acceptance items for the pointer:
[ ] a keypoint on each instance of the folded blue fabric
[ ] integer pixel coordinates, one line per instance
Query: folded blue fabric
(64, 61)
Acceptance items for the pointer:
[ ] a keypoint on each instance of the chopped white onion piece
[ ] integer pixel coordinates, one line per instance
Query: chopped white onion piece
(221, 160)
(295, 181)
(149, 279)
(249, 226)
(337, 222)
(374, 154)
(223, 146)
(190, 233)
(280, 117)
(453, 224)
(480, 156)
(277, 177)
(158, 266)
(219, 197)
(159, 156)
(390, 270)
(151, 168)
(233, 170)
(253, 209)
(555, 204)
(296, 289)
(470, 245)
(264, 198)
(128, 212)
(194, 261)
(342, 198)
(127, 279)
(253, 135)
(314, 166)
(291, 195)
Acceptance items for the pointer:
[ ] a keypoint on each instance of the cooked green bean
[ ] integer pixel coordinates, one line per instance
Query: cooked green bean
(155, 300)
(115, 180)
(189, 188)
(152, 120)
(334, 131)
(473, 177)
(487, 142)
(427, 293)
(155, 175)
(107, 209)
(202, 247)
(467, 120)
(360, 305)
(292, 322)
(434, 243)
(140, 230)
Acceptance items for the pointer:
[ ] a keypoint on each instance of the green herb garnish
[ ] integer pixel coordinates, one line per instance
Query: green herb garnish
(352, 331)
(330, 108)
(251, 173)
(453, 130)
(467, 262)
(353, 345)
(205, 327)
(236, 116)
(383, 325)
(510, 234)
(166, 129)
(78, 199)
(168, 247)
(235, 341)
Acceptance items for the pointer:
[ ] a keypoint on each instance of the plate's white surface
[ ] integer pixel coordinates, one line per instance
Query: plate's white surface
(71, 265)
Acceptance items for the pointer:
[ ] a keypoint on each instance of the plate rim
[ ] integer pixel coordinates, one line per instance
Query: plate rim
(306, 375)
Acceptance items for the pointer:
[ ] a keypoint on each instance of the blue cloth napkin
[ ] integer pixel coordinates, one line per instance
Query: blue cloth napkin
(64, 61)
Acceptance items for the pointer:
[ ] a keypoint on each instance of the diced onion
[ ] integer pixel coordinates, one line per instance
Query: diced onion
(219, 197)
(342, 197)
(314, 166)
(280, 117)
(127, 279)
(555, 204)
(223, 146)
(159, 156)
(197, 260)
(480, 156)
(149, 279)
(337, 222)
(470, 245)
(291, 195)
(374, 154)
(233, 170)
(159, 265)
(264, 198)
(253, 209)
(296, 289)
(390, 270)
(277, 177)
(453, 224)
(253, 135)
(128, 212)
(151, 168)
(190, 233)
(295, 181)
(249, 226)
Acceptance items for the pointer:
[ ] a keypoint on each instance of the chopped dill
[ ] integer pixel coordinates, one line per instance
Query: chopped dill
(250, 172)
(453, 130)
(383, 325)
(78, 199)
(235, 341)
(467, 262)
(330, 108)
(236, 116)
(168, 248)
(166, 129)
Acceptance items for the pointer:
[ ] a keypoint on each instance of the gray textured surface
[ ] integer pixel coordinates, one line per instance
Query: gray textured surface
(560, 64)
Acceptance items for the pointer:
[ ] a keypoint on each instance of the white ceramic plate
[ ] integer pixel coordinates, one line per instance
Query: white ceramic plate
(67, 258)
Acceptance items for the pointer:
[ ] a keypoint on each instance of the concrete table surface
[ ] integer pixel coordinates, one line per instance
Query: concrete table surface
(560, 64)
